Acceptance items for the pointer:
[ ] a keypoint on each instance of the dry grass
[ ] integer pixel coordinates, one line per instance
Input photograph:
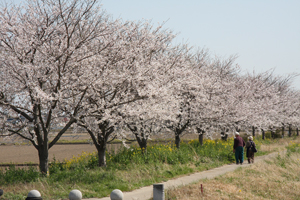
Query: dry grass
(276, 178)
(279, 145)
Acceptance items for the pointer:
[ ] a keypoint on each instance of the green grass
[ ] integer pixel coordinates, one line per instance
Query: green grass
(127, 169)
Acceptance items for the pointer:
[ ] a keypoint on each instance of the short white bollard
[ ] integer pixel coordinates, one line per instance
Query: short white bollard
(116, 195)
(75, 195)
(34, 195)
(158, 192)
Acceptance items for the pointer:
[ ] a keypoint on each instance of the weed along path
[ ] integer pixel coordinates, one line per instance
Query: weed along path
(145, 193)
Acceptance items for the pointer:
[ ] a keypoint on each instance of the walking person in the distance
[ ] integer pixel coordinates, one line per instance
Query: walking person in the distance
(238, 148)
(250, 149)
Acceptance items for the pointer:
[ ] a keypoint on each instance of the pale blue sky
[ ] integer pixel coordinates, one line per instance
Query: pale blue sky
(264, 34)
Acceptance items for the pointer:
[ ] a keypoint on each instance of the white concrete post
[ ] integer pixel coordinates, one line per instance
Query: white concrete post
(116, 195)
(158, 192)
(34, 195)
(75, 195)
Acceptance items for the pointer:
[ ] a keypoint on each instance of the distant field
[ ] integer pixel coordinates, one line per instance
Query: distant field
(23, 152)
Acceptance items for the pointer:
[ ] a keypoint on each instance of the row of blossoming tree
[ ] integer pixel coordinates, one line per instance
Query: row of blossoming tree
(69, 59)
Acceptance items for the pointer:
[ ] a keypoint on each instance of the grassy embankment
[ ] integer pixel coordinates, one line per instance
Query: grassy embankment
(275, 178)
(126, 170)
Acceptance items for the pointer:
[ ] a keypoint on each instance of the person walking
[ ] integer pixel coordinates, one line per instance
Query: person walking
(238, 148)
(250, 149)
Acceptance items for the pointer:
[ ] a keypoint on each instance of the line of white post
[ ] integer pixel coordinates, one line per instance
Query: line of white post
(158, 194)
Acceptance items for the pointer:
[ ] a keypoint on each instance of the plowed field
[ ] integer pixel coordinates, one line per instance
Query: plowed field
(24, 153)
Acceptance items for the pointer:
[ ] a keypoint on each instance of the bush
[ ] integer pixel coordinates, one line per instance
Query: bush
(13, 175)
(276, 134)
(293, 147)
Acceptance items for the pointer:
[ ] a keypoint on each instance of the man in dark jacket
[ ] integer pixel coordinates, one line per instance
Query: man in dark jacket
(238, 148)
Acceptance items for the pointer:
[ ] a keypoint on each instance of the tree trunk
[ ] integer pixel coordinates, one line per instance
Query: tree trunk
(290, 130)
(224, 136)
(142, 143)
(105, 131)
(101, 148)
(263, 134)
(177, 140)
(297, 130)
(140, 138)
(282, 132)
(43, 146)
(200, 132)
(101, 155)
(253, 131)
(43, 159)
(201, 139)
(100, 140)
(272, 134)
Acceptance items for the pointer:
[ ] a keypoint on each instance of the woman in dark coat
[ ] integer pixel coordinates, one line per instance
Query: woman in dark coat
(250, 145)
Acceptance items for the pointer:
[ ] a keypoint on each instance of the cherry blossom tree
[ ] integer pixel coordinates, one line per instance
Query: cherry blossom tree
(130, 70)
(178, 103)
(46, 48)
(182, 117)
(287, 104)
(257, 100)
(202, 96)
(143, 129)
(218, 77)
